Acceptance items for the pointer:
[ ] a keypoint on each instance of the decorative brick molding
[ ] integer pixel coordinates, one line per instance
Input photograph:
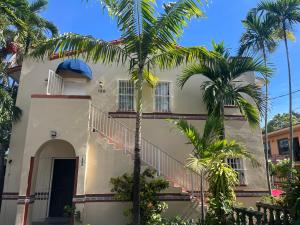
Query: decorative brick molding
(61, 96)
(130, 115)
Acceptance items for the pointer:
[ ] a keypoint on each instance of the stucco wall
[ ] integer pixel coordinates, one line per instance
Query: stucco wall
(69, 117)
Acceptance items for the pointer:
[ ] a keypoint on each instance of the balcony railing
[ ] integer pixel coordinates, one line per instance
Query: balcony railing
(55, 85)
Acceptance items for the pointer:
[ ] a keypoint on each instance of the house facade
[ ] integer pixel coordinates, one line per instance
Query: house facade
(77, 132)
(278, 144)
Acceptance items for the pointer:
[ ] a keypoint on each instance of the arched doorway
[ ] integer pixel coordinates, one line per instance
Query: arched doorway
(54, 180)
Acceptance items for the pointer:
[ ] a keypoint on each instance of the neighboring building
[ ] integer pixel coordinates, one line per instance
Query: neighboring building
(278, 144)
(76, 132)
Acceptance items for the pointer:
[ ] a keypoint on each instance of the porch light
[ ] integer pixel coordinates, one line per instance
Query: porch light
(53, 134)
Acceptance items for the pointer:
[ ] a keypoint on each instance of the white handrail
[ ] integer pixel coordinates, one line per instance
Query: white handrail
(123, 138)
(55, 85)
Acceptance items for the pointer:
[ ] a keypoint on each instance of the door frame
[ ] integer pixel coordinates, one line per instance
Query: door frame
(51, 178)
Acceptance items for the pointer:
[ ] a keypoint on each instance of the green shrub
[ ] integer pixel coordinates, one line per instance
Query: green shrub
(178, 220)
(150, 184)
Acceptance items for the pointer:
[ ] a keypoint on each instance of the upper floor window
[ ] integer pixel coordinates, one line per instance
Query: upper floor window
(126, 95)
(162, 101)
(237, 165)
(283, 146)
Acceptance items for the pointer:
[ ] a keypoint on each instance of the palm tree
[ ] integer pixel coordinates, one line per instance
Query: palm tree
(224, 84)
(10, 9)
(209, 154)
(259, 38)
(8, 114)
(285, 13)
(148, 40)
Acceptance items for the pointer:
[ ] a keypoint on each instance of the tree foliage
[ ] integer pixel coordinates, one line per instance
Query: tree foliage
(209, 158)
(224, 84)
(281, 120)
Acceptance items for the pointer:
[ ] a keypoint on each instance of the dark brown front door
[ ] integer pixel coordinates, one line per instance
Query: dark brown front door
(62, 186)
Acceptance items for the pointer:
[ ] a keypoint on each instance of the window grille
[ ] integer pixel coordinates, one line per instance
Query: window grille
(162, 97)
(228, 102)
(126, 95)
(237, 165)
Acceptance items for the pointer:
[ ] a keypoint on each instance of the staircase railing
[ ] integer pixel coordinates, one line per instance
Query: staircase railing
(123, 138)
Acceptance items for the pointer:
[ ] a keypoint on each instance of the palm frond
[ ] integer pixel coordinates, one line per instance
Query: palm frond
(148, 76)
(249, 111)
(253, 92)
(189, 131)
(170, 24)
(176, 56)
(223, 149)
(196, 164)
(38, 5)
(90, 48)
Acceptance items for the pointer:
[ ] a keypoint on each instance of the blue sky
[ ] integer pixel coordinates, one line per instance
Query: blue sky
(222, 22)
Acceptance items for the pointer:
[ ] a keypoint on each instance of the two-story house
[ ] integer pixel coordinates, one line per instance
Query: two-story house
(77, 132)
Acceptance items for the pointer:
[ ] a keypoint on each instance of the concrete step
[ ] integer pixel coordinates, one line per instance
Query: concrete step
(53, 221)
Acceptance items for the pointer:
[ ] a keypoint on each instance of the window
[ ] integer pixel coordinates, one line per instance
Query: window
(283, 146)
(162, 97)
(228, 102)
(237, 165)
(126, 95)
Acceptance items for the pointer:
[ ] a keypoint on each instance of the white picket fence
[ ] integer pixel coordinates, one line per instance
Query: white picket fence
(55, 84)
(123, 138)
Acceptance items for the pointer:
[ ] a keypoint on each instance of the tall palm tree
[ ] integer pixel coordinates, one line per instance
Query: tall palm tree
(8, 114)
(285, 13)
(148, 40)
(259, 38)
(210, 151)
(224, 84)
(35, 28)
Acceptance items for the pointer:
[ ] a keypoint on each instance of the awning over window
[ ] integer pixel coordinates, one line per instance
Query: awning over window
(77, 66)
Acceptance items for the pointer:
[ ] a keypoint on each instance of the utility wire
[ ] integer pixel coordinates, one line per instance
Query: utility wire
(280, 96)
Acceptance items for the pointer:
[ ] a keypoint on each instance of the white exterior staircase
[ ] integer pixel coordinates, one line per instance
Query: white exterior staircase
(122, 137)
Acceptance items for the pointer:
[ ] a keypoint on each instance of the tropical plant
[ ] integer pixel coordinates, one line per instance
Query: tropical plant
(285, 13)
(177, 220)
(209, 159)
(225, 86)
(151, 207)
(148, 40)
(260, 39)
(10, 9)
(8, 113)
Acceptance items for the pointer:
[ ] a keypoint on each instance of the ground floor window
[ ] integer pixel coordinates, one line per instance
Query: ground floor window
(237, 165)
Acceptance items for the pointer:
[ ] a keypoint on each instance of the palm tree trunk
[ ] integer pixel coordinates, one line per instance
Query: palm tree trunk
(290, 99)
(202, 199)
(222, 115)
(266, 127)
(137, 150)
(2, 171)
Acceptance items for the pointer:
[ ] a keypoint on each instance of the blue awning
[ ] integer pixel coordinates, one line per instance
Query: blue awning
(77, 66)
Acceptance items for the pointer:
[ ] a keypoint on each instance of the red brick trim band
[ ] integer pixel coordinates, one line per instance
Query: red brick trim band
(129, 115)
(61, 96)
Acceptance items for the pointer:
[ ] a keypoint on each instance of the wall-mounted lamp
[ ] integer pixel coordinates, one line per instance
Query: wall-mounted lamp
(53, 134)
(101, 87)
